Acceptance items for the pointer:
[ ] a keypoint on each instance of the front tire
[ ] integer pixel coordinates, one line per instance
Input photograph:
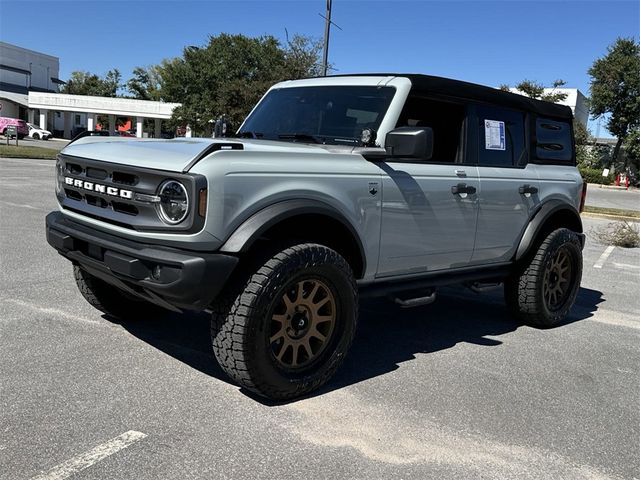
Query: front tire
(109, 299)
(542, 292)
(286, 326)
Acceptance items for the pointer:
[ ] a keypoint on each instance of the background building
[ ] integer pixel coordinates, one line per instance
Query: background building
(23, 71)
(575, 100)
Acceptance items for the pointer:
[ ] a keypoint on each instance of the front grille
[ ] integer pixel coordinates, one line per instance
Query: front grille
(118, 194)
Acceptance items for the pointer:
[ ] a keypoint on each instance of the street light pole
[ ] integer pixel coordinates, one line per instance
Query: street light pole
(327, 28)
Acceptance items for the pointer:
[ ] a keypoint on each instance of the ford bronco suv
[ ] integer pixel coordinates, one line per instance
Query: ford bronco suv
(333, 189)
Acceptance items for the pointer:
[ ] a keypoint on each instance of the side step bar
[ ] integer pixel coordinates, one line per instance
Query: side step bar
(416, 301)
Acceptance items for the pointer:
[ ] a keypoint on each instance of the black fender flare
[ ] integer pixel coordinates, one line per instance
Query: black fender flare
(536, 224)
(251, 229)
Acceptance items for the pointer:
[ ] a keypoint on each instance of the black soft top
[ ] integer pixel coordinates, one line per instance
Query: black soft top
(480, 93)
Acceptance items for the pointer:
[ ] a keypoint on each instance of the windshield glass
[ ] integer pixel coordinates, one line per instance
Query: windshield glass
(333, 115)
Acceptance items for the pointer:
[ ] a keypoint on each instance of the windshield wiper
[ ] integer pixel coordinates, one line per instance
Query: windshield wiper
(250, 134)
(301, 136)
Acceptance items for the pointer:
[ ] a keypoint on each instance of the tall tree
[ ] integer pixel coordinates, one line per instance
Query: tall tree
(615, 89)
(536, 90)
(86, 83)
(230, 74)
(146, 83)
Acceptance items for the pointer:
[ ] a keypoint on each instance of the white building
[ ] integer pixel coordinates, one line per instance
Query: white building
(22, 71)
(575, 100)
(29, 90)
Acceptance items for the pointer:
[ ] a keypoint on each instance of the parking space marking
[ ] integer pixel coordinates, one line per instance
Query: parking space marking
(603, 257)
(51, 311)
(20, 205)
(626, 266)
(91, 457)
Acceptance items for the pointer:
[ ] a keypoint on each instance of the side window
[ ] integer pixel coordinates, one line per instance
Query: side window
(553, 140)
(500, 137)
(446, 119)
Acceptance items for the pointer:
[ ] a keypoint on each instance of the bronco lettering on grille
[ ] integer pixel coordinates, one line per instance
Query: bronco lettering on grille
(99, 188)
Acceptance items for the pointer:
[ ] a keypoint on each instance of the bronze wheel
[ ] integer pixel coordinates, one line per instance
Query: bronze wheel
(285, 327)
(542, 291)
(302, 323)
(557, 280)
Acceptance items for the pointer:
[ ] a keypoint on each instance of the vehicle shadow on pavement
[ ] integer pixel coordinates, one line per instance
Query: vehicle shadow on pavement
(387, 334)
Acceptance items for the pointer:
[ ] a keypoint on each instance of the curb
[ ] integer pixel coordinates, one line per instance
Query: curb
(611, 187)
(610, 217)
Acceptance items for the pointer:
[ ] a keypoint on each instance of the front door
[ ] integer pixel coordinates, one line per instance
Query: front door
(425, 226)
(429, 208)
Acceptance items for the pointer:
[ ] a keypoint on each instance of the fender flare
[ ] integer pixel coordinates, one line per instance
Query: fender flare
(251, 229)
(538, 221)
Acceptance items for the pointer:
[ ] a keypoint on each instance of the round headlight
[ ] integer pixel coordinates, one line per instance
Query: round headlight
(174, 202)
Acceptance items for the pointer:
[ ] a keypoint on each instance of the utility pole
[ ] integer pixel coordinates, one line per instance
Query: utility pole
(327, 28)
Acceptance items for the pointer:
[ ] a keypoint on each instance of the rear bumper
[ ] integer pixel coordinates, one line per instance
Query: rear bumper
(169, 277)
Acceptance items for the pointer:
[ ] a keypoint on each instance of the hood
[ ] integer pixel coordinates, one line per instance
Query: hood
(175, 155)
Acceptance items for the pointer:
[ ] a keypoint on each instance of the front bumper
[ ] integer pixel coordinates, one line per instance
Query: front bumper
(172, 278)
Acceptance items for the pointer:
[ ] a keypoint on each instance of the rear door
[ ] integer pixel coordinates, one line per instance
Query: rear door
(509, 185)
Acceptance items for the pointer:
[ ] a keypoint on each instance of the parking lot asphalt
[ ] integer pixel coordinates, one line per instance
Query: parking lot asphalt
(608, 198)
(447, 391)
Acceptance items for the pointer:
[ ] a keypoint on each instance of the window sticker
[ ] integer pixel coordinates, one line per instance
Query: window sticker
(494, 135)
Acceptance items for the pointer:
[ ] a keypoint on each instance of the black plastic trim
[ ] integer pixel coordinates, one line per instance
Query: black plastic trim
(188, 280)
(495, 272)
(247, 233)
(537, 223)
(213, 148)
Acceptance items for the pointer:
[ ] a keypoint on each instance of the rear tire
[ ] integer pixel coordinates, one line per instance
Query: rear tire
(111, 300)
(542, 292)
(283, 328)
(36, 136)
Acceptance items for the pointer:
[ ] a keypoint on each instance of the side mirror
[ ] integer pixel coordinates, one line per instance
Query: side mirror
(410, 142)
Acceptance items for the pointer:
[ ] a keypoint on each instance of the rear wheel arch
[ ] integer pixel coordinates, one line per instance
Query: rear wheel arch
(553, 215)
(302, 220)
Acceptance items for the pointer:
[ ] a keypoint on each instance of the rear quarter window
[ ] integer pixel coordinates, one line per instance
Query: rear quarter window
(553, 140)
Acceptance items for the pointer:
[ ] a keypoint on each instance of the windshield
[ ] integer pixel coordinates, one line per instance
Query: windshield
(333, 115)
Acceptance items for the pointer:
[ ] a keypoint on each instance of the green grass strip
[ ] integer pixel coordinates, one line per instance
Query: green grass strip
(11, 151)
(615, 212)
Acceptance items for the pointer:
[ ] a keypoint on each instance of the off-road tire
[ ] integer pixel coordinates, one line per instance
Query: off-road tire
(242, 320)
(525, 289)
(109, 299)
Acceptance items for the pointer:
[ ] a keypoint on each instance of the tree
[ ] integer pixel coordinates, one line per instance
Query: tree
(230, 74)
(146, 83)
(632, 148)
(615, 89)
(85, 83)
(302, 57)
(535, 90)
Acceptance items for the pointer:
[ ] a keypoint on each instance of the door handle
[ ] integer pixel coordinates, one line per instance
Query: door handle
(460, 173)
(527, 189)
(463, 188)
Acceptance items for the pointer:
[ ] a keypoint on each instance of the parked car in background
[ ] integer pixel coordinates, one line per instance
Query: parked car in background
(21, 126)
(38, 133)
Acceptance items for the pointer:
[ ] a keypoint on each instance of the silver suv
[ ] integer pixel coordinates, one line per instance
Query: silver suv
(332, 189)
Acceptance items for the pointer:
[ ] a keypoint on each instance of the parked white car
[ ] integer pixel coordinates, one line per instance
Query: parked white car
(38, 133)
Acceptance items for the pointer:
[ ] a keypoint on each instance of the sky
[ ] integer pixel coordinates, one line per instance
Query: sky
(491, 43)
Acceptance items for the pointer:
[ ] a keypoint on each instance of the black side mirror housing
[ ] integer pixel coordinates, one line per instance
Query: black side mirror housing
(410, 142)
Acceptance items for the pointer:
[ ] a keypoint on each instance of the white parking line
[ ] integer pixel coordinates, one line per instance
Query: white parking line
(626, 266)
(20, 205)
(91, 457)
(51, 311)
(603, 257)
